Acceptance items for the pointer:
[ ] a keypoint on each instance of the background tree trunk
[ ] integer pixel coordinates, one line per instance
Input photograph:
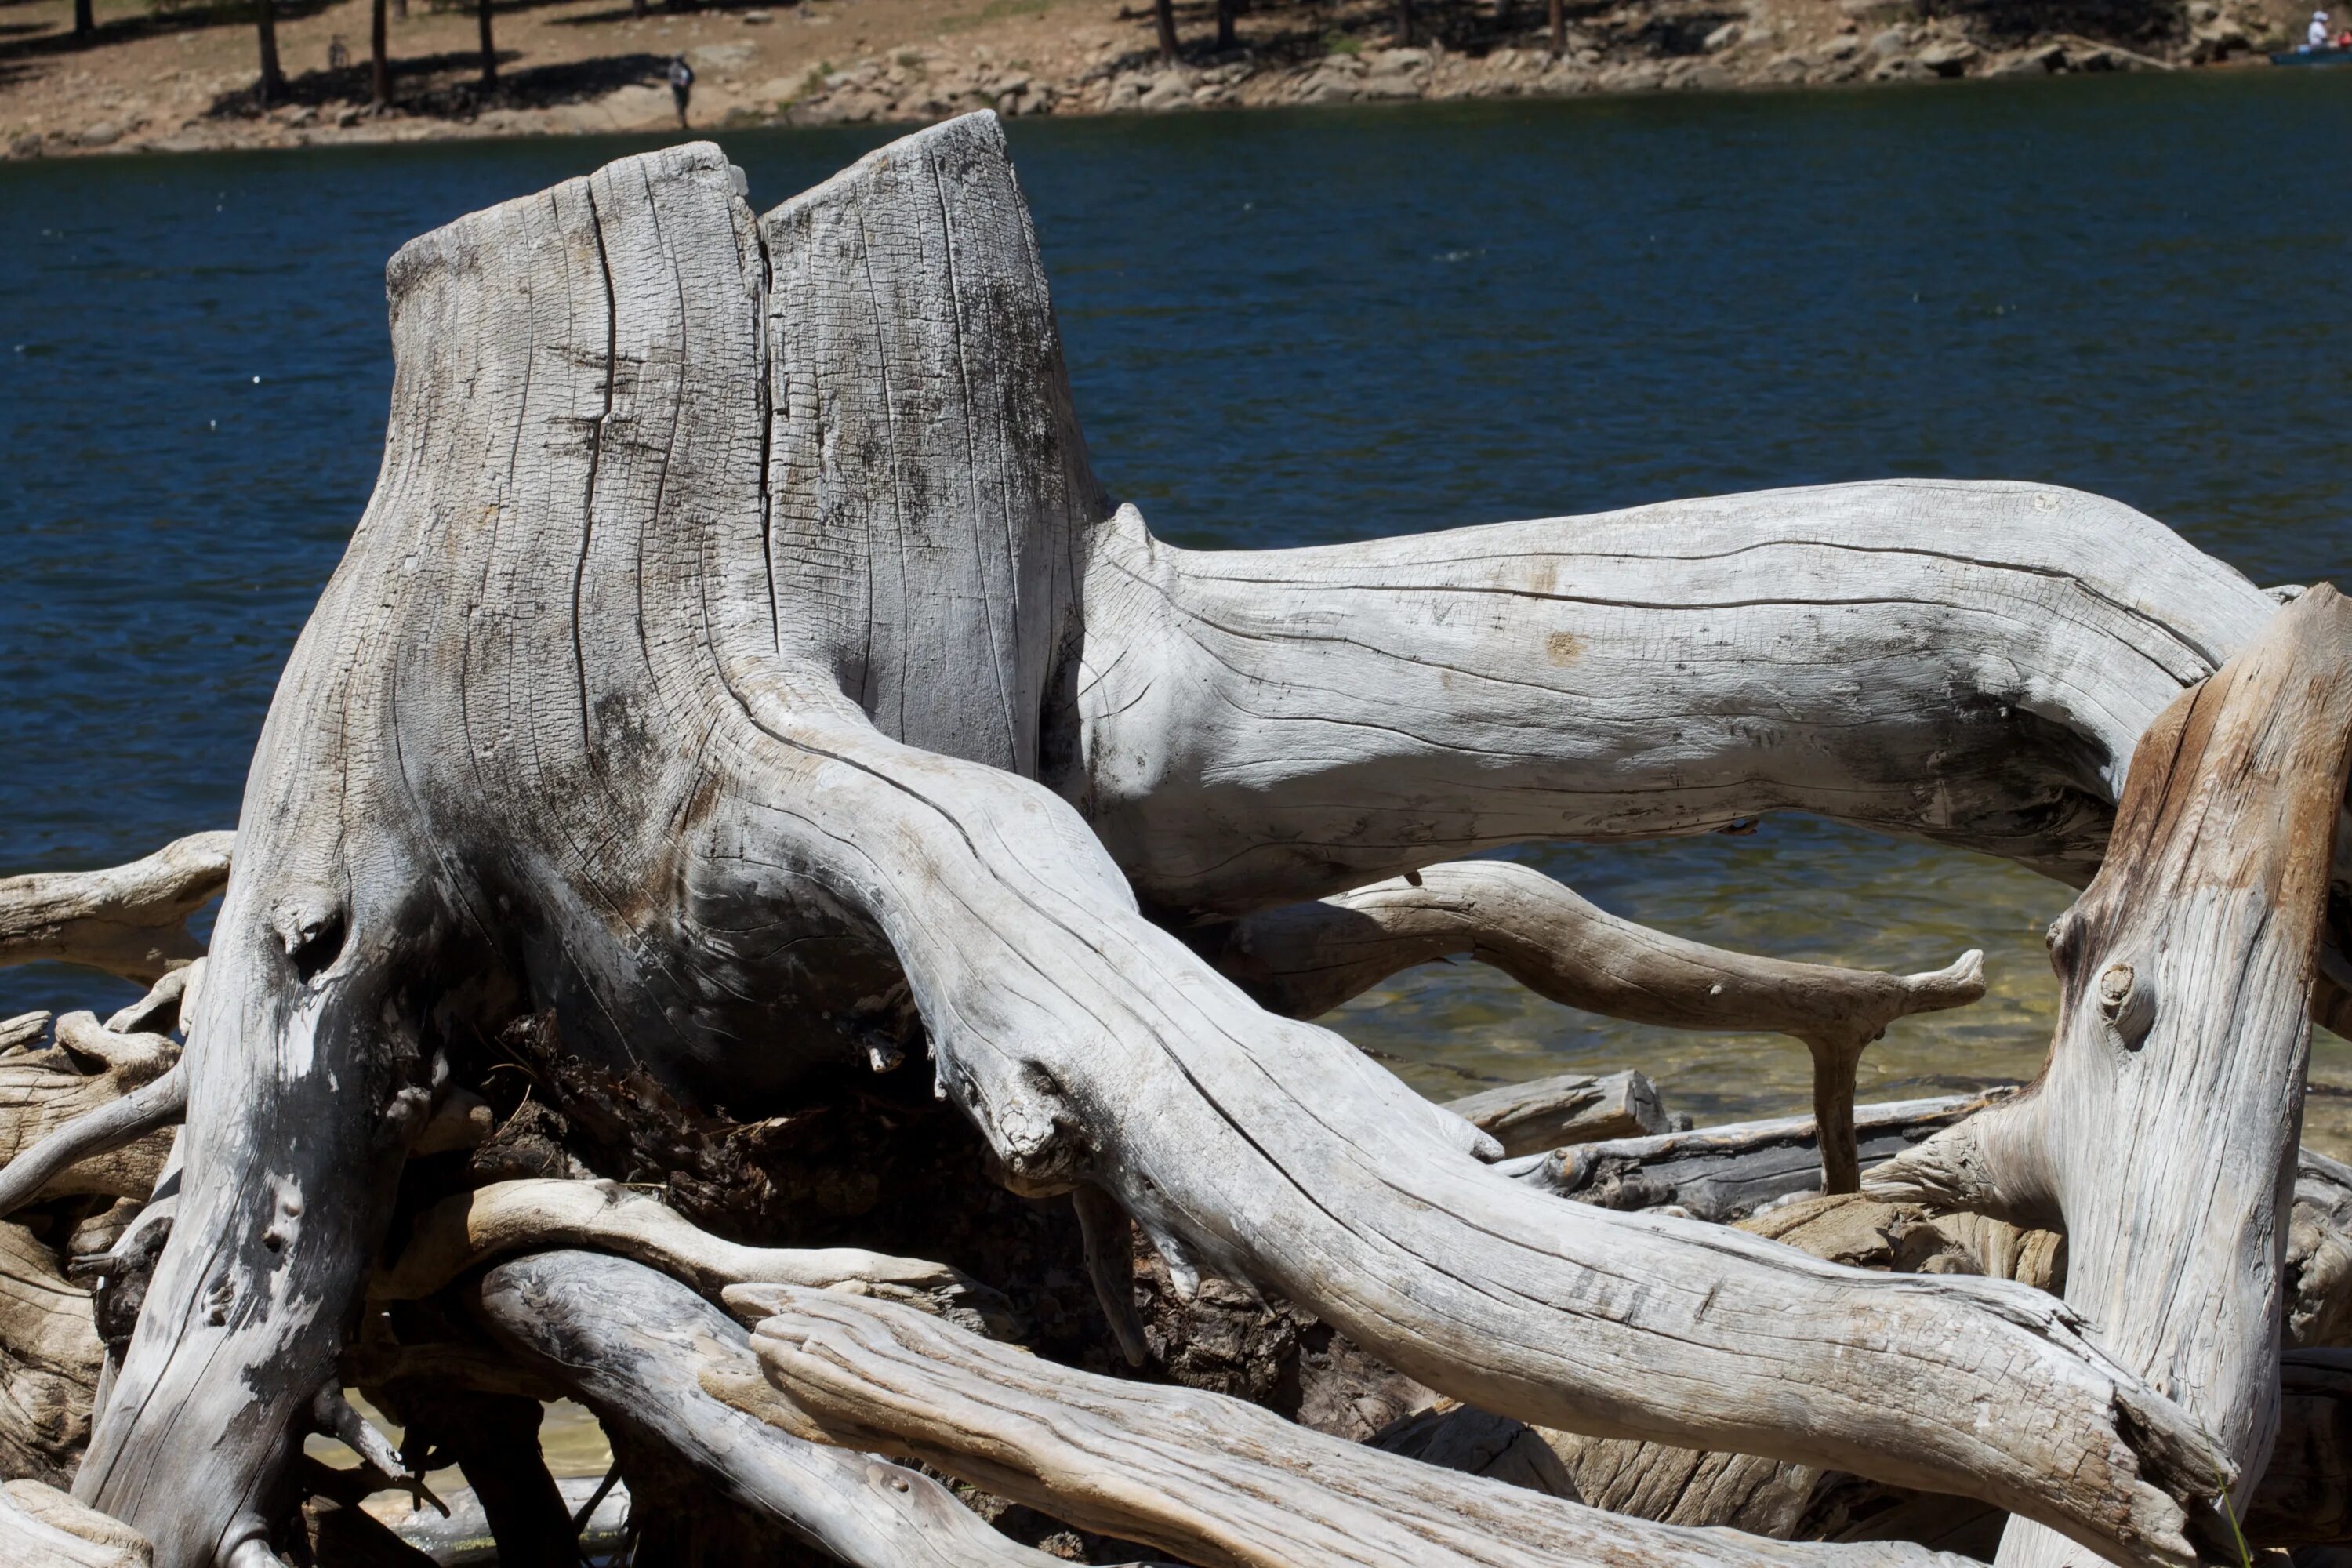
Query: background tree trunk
(490, 49)
(379, 56)
(1163, 14)
(272, 86)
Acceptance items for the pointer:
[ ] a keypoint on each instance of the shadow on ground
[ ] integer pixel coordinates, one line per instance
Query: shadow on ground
(448, 86)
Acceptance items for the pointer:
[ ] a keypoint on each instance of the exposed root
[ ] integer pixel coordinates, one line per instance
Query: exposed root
(1302, 959)
(130, 920)
(506, 1217)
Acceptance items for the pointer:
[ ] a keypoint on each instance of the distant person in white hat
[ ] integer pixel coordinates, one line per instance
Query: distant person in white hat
(2317, 37)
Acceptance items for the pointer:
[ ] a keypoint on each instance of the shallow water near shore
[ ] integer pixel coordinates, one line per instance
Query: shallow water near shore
(1288, 327)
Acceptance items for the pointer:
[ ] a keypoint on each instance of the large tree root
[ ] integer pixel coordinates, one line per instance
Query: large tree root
(534, 1216)
(130, 920)
(631, 1344)
(731, 634)
(2304, 1496)
(2162, 1132)
(1214, 1480)
(1302, 959)
(87, 1117)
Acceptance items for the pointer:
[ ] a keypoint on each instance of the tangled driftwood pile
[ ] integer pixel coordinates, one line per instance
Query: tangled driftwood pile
(767, 905)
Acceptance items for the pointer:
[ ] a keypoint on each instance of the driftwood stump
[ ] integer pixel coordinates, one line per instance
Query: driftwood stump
(740, 689)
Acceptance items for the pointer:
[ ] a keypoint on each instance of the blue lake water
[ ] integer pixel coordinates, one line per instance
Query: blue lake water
(1288, 328)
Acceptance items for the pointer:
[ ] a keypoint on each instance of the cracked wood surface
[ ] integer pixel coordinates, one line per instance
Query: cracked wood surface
(1209, 1478)
(1967, 662)
(591, 720)
(49, 1360)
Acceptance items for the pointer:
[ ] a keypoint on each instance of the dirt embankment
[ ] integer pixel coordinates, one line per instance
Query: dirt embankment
(174, 75)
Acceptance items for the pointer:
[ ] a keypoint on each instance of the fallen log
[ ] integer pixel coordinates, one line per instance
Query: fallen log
(129, 920)
(1571, 1108)
(632, 1342)
(736, 621)
(1302, 959)
(2161, 1133)
(1726, 1173)
(1211, 1479)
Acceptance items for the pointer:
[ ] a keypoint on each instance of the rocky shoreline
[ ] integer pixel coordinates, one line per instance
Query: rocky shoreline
(916, 85)
(1107, 65)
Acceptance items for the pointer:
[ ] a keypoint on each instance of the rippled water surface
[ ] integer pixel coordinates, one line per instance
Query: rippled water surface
(1287, 329)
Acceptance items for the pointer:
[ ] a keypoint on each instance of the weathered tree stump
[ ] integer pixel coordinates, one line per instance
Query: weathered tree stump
(740, 686)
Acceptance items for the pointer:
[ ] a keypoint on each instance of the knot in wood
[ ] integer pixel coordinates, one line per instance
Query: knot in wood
(2127, 1002)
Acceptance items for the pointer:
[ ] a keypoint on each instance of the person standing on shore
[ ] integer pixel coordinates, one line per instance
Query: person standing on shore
(681, 85)
(2316, 38)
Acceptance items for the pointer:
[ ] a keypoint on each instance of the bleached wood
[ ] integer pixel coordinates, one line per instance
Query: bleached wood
(471, 1228)
(1570, 1108)
(130, 920)
(1209, 1478)
(1726, 1172)
(43, 1528)
(633, 1343)
(2162, 1131)
(2318, 1269)
(64, 1131)
(724, 582)
(1967, 662)
(49, 1359)
(1304, 959)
